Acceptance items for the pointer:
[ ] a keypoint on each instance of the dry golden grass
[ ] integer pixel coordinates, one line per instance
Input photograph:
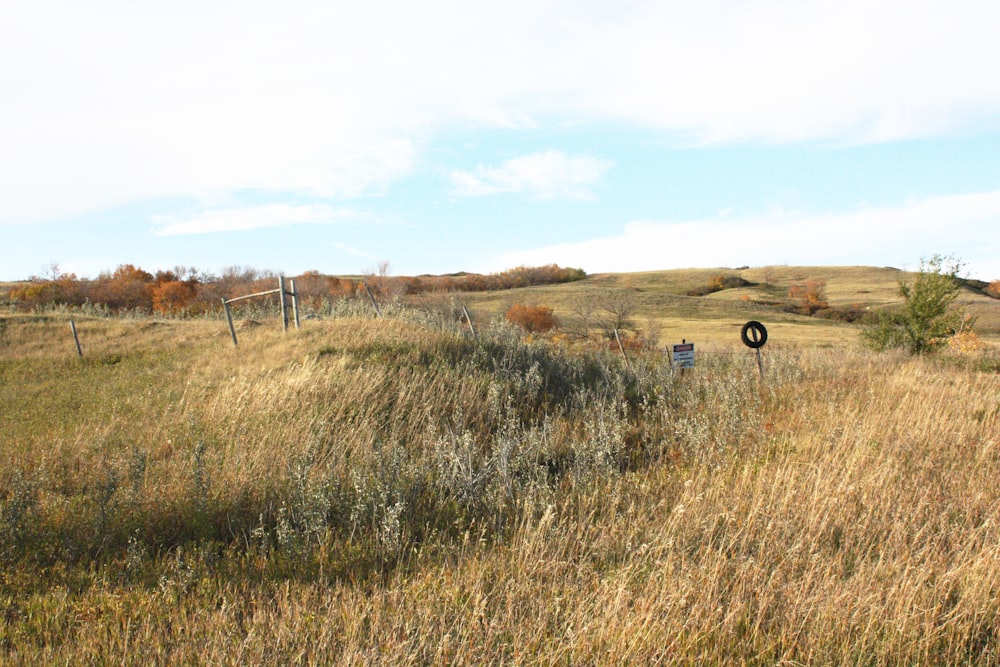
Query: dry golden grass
(196, 503)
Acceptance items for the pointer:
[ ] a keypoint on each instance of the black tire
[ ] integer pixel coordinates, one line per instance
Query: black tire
(759, 330)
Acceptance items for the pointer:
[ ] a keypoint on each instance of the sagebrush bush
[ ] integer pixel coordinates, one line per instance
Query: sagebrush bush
(416, 432)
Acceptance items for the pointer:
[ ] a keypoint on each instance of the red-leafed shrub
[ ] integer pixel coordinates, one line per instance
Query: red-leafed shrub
(533, 319)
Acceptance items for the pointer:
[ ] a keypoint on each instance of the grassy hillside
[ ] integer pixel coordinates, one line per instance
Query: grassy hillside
(661, 300)
(393, 491)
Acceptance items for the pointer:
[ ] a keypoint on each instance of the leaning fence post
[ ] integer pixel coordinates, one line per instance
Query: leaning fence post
(378, 311)
(76, 338)
(622, 349)
(229, 318)
(468, 318)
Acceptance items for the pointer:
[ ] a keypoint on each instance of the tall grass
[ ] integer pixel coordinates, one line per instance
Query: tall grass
(392, 491)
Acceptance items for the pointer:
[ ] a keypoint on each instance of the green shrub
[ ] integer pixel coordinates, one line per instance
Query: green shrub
(926, 321)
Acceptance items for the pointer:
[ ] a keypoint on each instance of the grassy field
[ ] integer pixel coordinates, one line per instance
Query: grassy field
(392, 491)
(661, 300)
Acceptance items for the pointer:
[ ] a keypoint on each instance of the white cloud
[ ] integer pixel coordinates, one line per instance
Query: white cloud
(787, 71)
(254, 217)
(547, 175)
(106, 103)
(963, 225)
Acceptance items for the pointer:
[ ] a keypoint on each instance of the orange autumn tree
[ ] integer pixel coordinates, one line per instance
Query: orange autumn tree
(173, 296)
(811, 295)
(125, 289)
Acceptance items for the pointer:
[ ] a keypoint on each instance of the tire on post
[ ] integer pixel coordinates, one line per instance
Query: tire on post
(754, 334)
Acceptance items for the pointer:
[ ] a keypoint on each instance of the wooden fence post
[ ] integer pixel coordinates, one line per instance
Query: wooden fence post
(378, 311)
(284, 305)
(622, 349)
(295, 304)
(229, 318)
(76, 338)
(468, 318)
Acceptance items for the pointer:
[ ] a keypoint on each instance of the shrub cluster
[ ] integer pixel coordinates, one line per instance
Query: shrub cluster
(810, 296)
(522, 276)
(853, 313)
(130, 288)
(188, 291)
(533, 319)
(718, 283)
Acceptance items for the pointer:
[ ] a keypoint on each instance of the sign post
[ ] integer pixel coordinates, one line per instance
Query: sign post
(683, 355)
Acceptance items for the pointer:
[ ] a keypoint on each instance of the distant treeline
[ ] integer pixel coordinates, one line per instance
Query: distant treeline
(189, 291)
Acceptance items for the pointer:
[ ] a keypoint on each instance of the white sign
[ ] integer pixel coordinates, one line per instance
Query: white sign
(684, 355)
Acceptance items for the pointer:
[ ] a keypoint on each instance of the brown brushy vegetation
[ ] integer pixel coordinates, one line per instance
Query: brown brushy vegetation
(185, 291)
(533, 319)
(717, 283)
(391, 491)
(809, 296)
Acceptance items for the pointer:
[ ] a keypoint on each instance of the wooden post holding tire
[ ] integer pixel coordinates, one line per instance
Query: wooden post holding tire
(754, 335)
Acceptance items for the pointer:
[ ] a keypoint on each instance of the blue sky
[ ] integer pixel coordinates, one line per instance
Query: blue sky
(445, 136)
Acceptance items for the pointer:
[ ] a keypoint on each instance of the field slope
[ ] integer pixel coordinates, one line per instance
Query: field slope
(394, 491)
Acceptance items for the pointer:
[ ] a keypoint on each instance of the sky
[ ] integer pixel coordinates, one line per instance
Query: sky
(448, 135)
